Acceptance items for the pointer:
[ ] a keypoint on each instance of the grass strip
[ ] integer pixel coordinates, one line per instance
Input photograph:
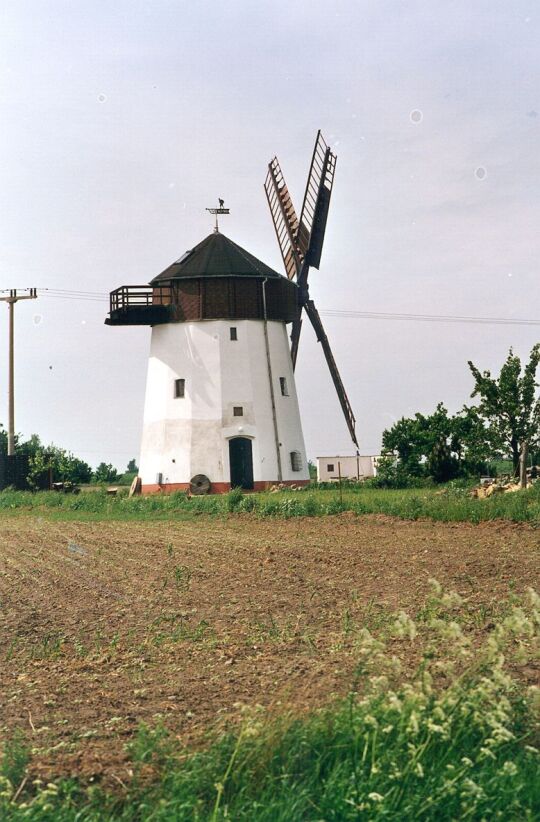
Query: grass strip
(447, 504)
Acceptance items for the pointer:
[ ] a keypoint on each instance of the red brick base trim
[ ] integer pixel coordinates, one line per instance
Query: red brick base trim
(217, 487)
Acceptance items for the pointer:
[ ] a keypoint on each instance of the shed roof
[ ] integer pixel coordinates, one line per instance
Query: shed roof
(216, 256)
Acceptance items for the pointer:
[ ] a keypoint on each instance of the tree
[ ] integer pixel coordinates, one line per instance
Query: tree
(64, 466)
(438, 445)
(105, 473)
(509, 406)
(132, 467)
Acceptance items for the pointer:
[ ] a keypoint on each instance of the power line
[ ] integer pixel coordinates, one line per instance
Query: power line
(101, 296)
(444, 318)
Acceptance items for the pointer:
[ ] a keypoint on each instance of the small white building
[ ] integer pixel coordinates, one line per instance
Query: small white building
(330, 469)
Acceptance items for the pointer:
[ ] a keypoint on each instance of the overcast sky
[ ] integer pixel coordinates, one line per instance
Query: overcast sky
(121, 121)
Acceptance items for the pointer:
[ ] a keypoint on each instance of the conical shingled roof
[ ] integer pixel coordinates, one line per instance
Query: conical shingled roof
(216, 256)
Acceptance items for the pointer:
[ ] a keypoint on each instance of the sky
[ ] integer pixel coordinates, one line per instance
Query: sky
(121, 122)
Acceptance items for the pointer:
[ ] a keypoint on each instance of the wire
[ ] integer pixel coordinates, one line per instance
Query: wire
(101, 296)
(444, 318)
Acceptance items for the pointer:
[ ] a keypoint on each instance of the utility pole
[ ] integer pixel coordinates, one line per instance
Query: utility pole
(11, 300)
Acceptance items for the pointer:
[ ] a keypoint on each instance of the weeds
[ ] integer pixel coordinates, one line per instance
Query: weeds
(449, 504)
(176, 628)
(15, 758)
(182, 577)
(454, 739)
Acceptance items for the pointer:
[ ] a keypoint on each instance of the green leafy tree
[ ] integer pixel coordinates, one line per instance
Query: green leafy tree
(509, 405)
(132, 467)
(404, 440)
(63, 465)
(438, 445)
(105, 473)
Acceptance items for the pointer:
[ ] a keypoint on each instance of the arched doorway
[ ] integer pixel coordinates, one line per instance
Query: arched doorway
(241, 463)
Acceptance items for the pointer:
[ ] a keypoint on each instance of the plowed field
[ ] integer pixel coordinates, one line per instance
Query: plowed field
(106, 625)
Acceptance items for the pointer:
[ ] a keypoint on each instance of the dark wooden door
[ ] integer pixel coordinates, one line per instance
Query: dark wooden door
(241, 462)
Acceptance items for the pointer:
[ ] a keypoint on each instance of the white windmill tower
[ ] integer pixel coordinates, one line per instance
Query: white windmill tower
(221, 409)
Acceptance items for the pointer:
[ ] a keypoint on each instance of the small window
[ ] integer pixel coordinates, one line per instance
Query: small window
(330, 466)
(296, 460)
(283, 386)
(238, 411)
(234, 333)
(179, 389)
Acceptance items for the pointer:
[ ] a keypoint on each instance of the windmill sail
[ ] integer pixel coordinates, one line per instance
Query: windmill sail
(300, 242)
(315, 319)
(316, 202)
(284, 218)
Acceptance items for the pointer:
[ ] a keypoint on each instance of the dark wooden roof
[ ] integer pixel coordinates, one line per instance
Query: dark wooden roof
(216, 256)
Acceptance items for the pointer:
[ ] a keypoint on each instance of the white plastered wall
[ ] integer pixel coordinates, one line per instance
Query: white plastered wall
(188, 436)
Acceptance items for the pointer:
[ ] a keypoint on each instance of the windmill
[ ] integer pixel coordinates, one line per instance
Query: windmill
(300, 242)
(221, 409)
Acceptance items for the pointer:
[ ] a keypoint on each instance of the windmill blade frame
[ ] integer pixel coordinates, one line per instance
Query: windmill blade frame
(300, 242)
(316, 203)
(315, 320)
(284, 217)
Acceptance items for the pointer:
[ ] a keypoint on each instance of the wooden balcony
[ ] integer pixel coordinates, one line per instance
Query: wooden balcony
(140, 305)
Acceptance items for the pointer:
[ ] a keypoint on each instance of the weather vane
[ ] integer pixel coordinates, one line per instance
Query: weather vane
(216, 211)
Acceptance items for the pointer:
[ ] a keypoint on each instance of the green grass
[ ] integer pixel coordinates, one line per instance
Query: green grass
(451, 503)
(453, 740)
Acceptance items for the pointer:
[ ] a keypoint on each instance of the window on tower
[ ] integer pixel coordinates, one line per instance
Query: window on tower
(238, 411)
(179, 389)
(330, 466)
(234, 333)
(283, 386)
(296, 460)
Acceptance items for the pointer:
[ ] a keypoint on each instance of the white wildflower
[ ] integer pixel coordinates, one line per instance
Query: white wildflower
(394, 702)
(404, 626)
(435, 586)
(486, 753)
(451, 600)
(509, 768)
(371, 721)
(502, 734)
(533, 599)
(413, 725)
(436, 729)
(471, 788)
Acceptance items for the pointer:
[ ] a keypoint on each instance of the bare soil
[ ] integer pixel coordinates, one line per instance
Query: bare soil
(107, 625)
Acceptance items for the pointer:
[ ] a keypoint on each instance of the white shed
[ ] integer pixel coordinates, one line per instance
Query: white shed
(329, 469)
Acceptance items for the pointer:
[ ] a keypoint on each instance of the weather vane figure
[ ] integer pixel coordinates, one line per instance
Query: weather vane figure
(216, 211)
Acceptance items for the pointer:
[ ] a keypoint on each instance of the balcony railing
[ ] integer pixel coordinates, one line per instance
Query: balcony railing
(140, 305)
(140, 296)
